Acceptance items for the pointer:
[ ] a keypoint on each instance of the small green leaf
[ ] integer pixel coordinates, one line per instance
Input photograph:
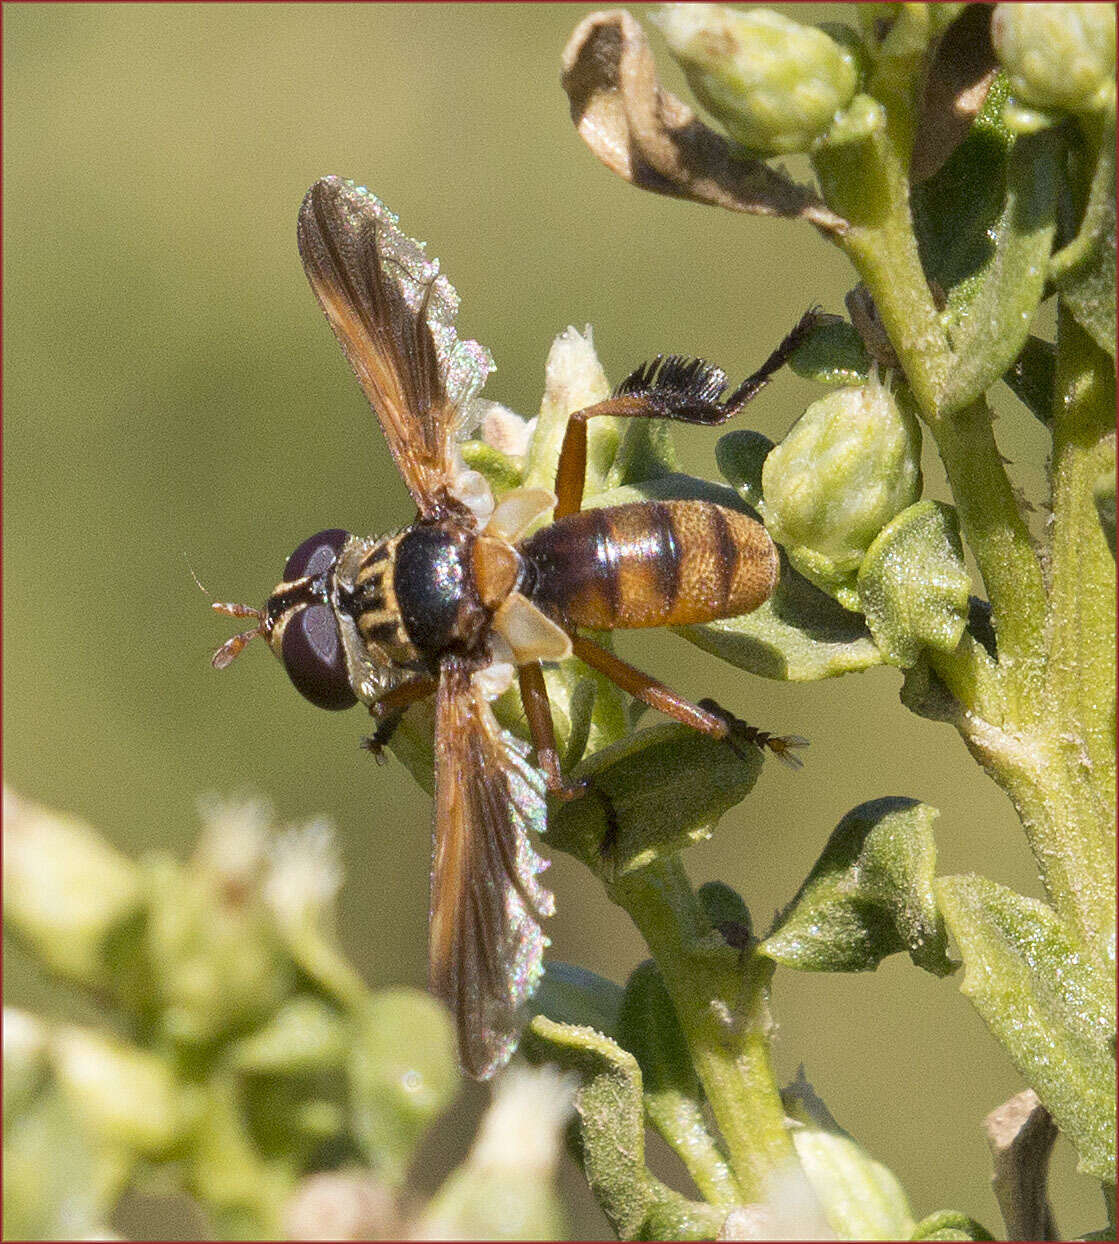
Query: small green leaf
(403, 1073)
(861, 1197)
(650, 795)
(610, 1116)
(799, 635)
(499, 469)
(574, 995)
(833, 353)
(989, 320)
(1087, 279)
(986, 222)
(740, 457)
(869, 895)
(950, 1224)
(913, 585)
(649, 1029)
(1032, 375)
(304, 1036)
(1045, 1001)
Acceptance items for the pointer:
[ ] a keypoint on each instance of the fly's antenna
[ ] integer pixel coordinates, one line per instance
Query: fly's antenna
(232, 648)
(197, 580)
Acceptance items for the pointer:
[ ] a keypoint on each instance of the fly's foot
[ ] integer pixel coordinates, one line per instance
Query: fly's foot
(740, 733)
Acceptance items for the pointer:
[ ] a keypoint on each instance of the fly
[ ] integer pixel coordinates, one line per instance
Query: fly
(461, 602)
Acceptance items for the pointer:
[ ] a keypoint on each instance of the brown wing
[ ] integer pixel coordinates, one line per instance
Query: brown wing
(393, 315)
(486, 946)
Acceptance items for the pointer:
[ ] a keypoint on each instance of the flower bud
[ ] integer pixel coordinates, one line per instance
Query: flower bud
(65, 888)
(774, 84)
(125, 1095)
(848, 465)
(1058, 55)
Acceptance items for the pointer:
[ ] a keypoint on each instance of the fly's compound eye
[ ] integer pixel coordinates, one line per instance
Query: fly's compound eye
(313, 655)
(316, 555)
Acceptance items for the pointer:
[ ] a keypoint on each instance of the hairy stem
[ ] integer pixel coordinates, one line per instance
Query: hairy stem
(996, 533)
(723, 1012)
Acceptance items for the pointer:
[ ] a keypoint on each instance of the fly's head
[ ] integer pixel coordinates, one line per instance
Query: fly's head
(313, 636)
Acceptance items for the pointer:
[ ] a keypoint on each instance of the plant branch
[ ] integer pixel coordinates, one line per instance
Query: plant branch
(724, 1015)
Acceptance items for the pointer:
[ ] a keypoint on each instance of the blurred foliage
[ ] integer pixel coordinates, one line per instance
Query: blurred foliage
(242, 1062)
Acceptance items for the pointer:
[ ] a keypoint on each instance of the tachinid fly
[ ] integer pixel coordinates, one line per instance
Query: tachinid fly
(460, 602)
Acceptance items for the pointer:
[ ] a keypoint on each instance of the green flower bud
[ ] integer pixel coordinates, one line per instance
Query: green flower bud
(216, 958)
(774, 84)
(125, 1095)
(1058, 55)
(848, 465)
(65, 888)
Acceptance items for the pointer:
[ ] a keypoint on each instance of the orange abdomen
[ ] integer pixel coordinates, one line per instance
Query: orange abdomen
(651, 563)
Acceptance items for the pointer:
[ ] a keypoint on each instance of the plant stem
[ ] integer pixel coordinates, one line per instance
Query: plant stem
(867, 183)
(1081, 675)
(996, 533)
(724, 1015)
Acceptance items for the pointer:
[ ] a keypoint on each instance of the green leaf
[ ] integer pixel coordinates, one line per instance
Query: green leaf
(649, 1029)
(1084, 272)
(499, 469)
(574, 995)
(833, 353)
(304, 1036)
(799, 635)
(986, 222)
(913, 585)
(1045, 1001)
(610, 1116)
(740, 457)
(403, 1073)
(869, 895)
(861, 1197)
(950, 1224)
(650, 795)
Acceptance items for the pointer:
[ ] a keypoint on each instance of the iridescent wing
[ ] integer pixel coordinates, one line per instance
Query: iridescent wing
(393, 315)
(486, 947)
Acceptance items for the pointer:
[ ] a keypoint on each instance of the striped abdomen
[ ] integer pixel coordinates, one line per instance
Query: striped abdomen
(651, 563)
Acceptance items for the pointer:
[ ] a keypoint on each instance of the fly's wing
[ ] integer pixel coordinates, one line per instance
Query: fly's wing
(394, 316)
(486, 945)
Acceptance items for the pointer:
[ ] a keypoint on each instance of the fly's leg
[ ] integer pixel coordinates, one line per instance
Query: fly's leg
(538, 711)
(534, 696)
(687, 390)
(707, 717)
(389, 711)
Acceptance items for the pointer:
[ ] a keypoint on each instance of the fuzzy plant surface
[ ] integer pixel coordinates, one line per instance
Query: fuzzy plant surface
(964, 163)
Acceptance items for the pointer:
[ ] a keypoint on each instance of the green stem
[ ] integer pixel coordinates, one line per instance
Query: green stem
(867, 183)
(1081, 567)
(724, 1015)
(997, 535)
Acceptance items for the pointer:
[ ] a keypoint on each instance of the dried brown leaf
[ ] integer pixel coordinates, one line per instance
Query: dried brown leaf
(655, 141)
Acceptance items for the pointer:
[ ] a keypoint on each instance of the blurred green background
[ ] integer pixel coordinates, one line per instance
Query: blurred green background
(175, 400)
